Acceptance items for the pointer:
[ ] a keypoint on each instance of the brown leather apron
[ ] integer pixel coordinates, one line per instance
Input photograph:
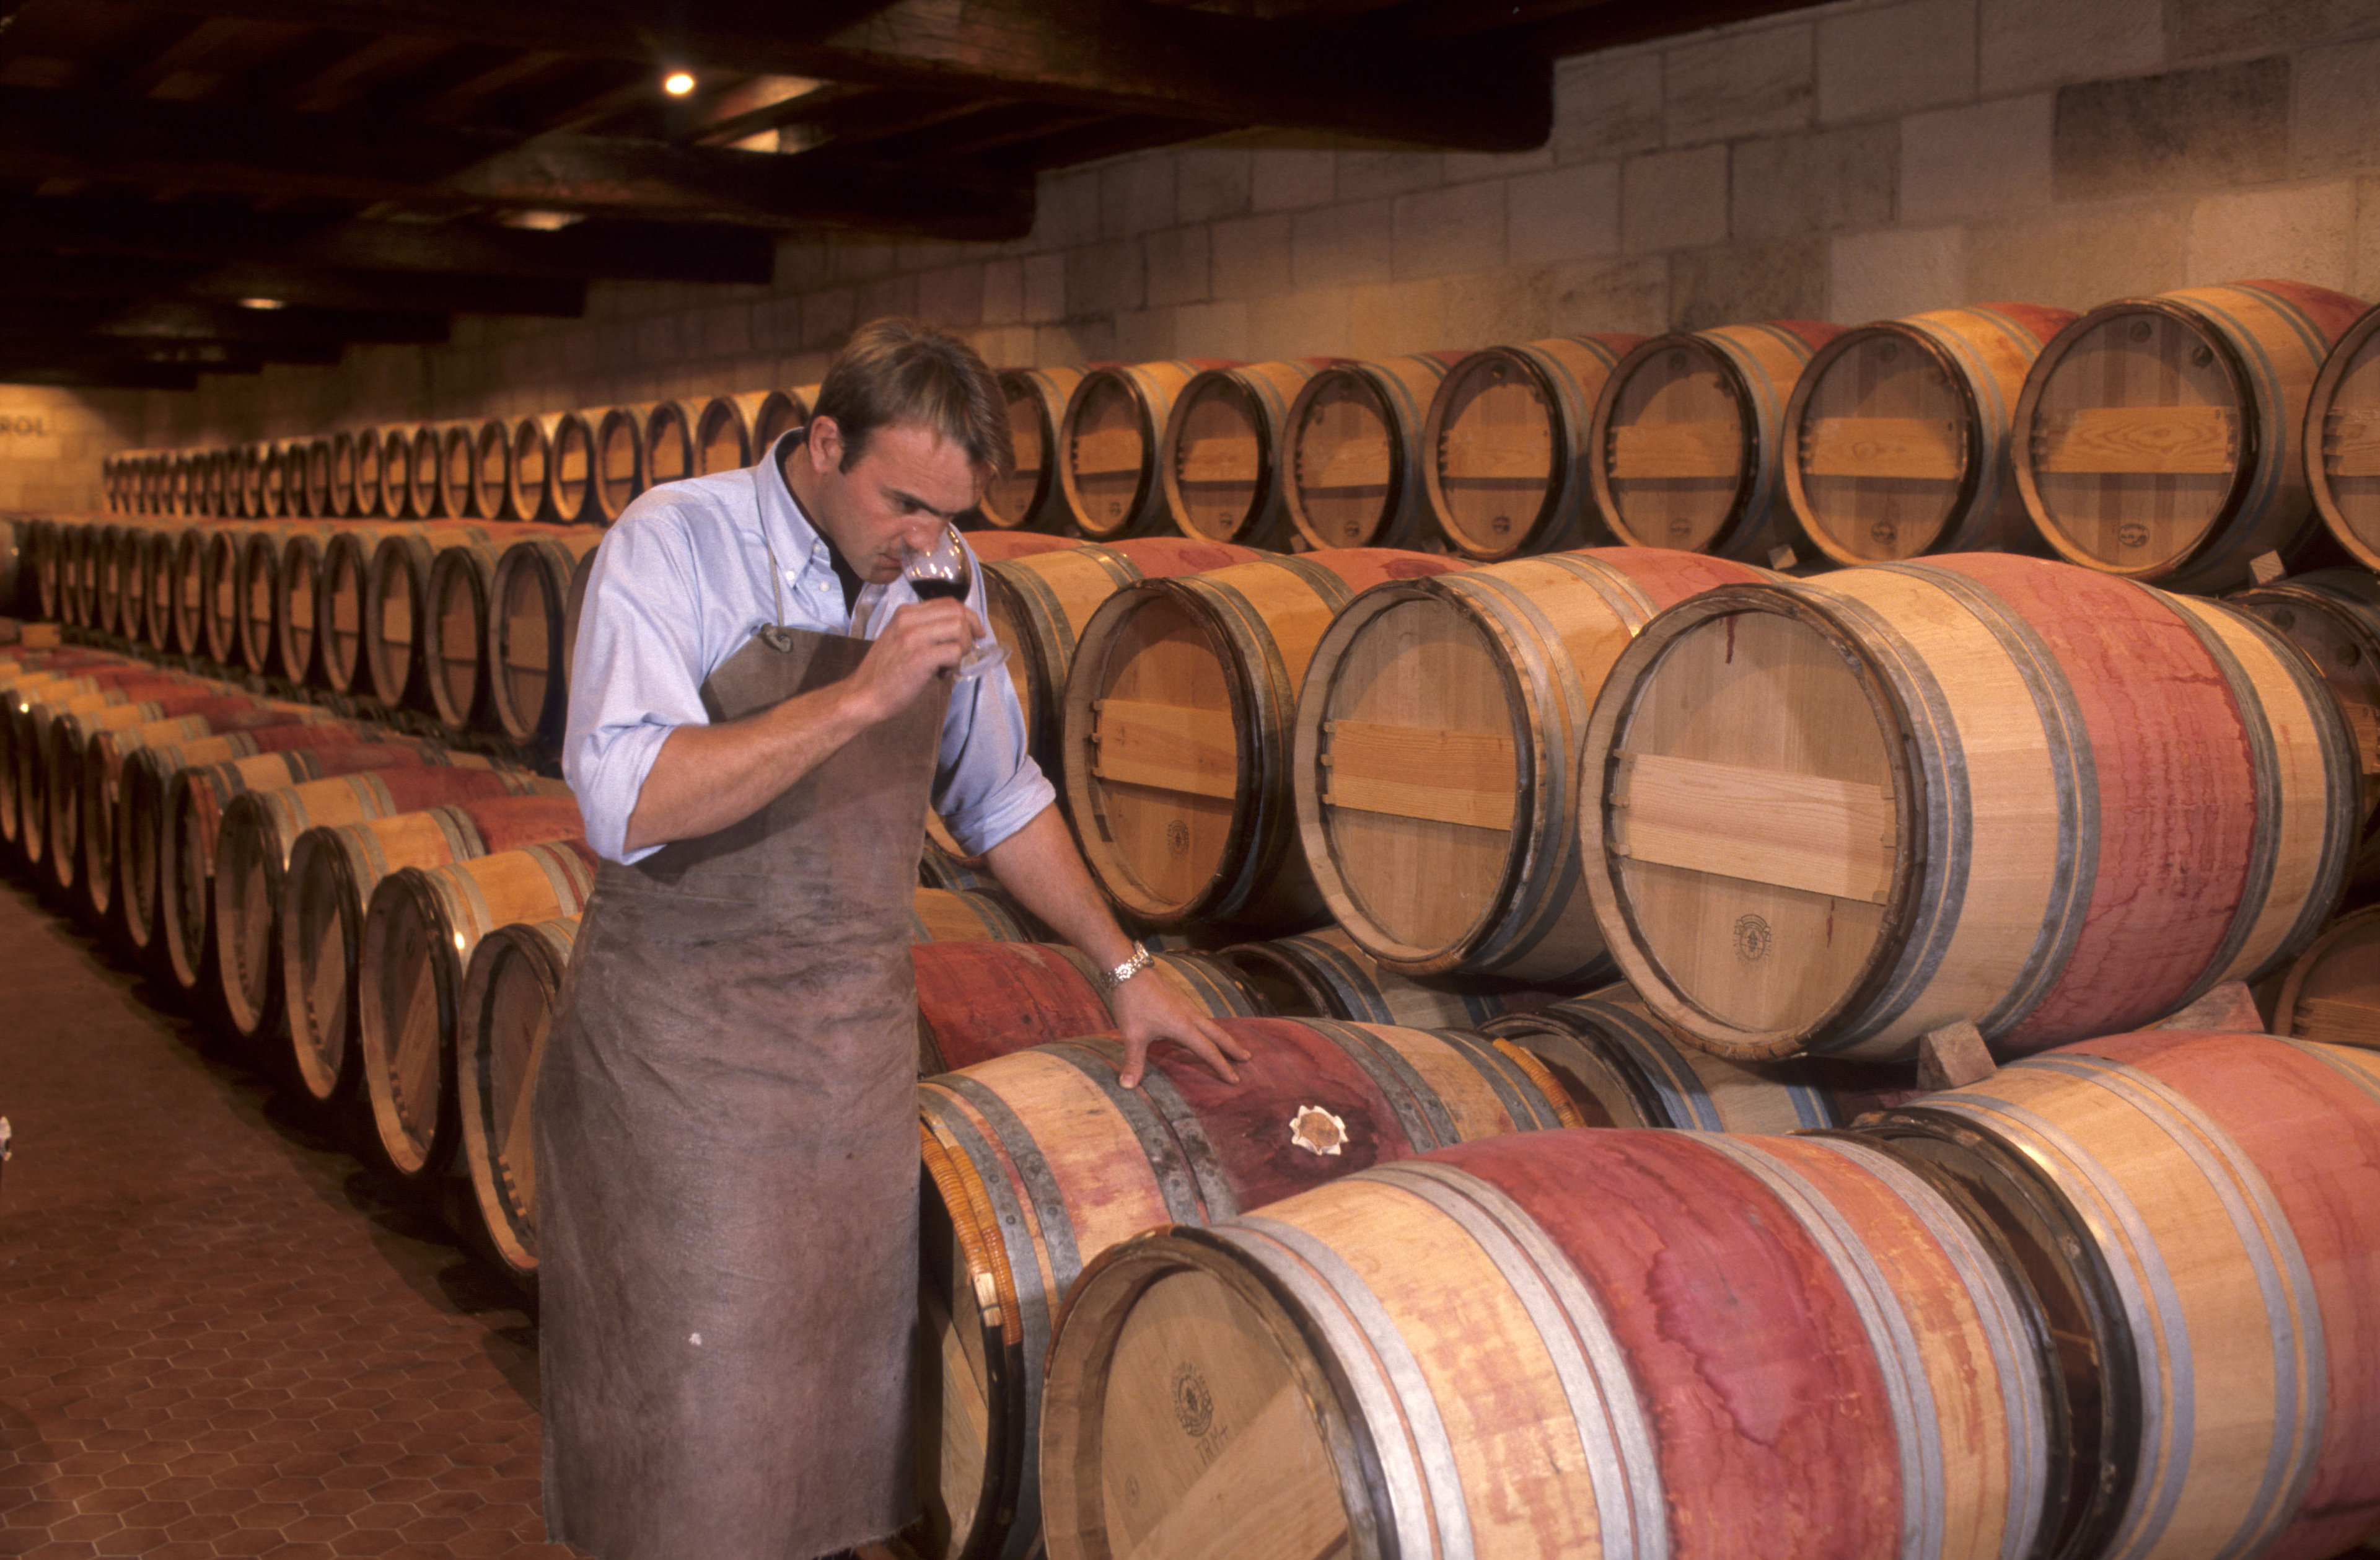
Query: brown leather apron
(727, 1161)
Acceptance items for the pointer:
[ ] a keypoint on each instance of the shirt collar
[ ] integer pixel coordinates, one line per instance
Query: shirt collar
(804, 560)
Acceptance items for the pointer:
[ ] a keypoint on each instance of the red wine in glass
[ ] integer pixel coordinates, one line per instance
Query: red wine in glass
(943, 572)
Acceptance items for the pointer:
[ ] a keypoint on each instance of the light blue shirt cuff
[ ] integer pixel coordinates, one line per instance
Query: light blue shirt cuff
(609, 780)
(1016, 805)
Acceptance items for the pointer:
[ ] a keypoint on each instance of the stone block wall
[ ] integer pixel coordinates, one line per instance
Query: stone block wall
(1857, 161)
(52, 441)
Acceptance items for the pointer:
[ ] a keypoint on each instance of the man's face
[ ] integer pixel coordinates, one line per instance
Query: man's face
(907, 484)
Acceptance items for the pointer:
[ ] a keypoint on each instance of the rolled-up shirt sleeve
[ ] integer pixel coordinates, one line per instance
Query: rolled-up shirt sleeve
(985, 785)
(637, 672)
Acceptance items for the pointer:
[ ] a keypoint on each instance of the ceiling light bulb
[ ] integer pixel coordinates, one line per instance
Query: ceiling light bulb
(259, 303)
(677, 83)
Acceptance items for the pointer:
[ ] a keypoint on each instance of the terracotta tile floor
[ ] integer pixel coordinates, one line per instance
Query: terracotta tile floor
(218, 1335)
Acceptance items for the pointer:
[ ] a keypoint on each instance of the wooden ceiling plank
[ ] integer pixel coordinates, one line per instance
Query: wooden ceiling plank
(1110, 54)
(263, 151)
(596, 249)
(193, 320)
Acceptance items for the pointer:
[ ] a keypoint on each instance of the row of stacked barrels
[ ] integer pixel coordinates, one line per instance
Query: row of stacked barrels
(2175, 439)
(1396, 1298)
(460, 629)
(1808, 820)
(571, 467)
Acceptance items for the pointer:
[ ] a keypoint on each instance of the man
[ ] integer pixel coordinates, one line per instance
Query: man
(726, 1138)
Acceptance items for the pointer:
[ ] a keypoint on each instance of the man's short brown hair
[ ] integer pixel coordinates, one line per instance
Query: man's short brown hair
(899, 370)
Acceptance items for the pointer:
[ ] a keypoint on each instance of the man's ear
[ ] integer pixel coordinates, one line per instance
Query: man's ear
(825, 444)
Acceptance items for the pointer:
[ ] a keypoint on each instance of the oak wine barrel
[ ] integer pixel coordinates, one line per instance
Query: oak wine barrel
(1624, 1068)
(410, 960)
(367, 486)
(1028, 495)
(1897, 436)
(86, 763)
(256, 582)
(1222, 456)
(45, 548)
(396, 487)
(2342, 440)
(1323, 974)
(273, 477)
(297, 605)
(1038, 607)
(1357, 463)
(1504, 445)
(48, 760)
(1037, 1162)
(399, 626)
(455, 657)
(669, 452)
(1592, 1344)
(722, 433)
(190, 832)
(491, 472)
(986, 988)
(163, 563)
(252, 480)
(143, 778)
(1434, 758)
(1689, 439)
(779, 413)
(442, 470)
(1177, 724)
(342, 492)
(252, 846)
(509, 996)
(2200, 1216)
(425, 475)
(620, 459)
(343, 609)
(978, 1000)
(2332, 615)
(570, 475)
(326, 891)
(1110, 443)
(2332, 992)
(1837, 815)
(2159, 438)
(532, 626)
(219, 617)
(108, 586)
(24, 742)
(938, 915)
(529, 488)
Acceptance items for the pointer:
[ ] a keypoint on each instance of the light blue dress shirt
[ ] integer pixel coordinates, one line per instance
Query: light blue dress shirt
(681, 582)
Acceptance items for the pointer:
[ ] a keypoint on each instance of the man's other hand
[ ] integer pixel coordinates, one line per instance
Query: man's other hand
(1148, 1010)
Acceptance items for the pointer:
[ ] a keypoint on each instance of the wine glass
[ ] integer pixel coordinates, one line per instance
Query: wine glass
(942, 572)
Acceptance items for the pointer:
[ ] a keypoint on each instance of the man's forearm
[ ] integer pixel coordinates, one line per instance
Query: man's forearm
(707, 778)
(1040, 868)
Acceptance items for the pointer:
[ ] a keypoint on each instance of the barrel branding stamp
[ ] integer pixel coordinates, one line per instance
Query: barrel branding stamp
(1752, 938)
(1317, 1132)
(1194, 1405)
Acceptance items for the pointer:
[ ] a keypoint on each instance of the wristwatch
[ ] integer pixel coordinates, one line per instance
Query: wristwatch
(1127, 969)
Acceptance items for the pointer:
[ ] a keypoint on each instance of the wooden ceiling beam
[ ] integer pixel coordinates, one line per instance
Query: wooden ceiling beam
(68, 373)
(1114, 56)
(269, 152)
(127, 278)
(192, 320)
(596, 249)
